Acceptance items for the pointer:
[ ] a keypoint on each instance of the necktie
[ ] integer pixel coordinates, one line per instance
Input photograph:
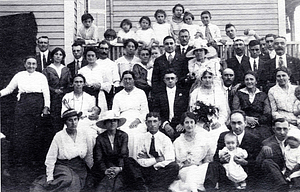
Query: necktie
(152, 150)
(207, 33)
(170, 58)
(44, 61)
(76, 67)
(254, 66)
(280, 62)
(183, 50)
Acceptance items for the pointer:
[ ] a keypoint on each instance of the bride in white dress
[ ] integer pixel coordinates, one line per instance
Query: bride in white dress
(206, 96)
(193, 153)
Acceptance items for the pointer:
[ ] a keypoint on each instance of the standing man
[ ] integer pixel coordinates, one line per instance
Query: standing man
(184, 39)
(271, 156)
(111, 78)
(171, 103)
(216, 172)
(154, 168)
(210, 31)
(228, 86)
(263, 48)
(43, 57)
(269, 43)
(79, 61)
(255, 63)
(236, 62)
(170, 59)
(282, 60)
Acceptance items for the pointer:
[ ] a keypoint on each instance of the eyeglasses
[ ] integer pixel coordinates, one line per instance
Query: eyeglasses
(145, 54)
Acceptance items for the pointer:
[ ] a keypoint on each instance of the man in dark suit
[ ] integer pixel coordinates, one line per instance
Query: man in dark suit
(184, 38)
(271, 157)
(171, 103)
(263, 49)
(43, 57)
(170, 59)
(282, 59)
(236, 62)
(255, 63)
(79, 61)
(270, 46)
(216, 172)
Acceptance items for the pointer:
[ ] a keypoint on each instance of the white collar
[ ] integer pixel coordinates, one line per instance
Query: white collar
(245, 90)
(80, 59)
(240, 137)
(225, 88)
(173, 54)
(171, 89)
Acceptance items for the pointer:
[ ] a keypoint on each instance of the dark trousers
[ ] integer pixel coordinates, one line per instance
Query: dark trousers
(136, 175)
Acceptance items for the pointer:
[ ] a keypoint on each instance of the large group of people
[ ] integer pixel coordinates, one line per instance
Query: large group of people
(167, 115)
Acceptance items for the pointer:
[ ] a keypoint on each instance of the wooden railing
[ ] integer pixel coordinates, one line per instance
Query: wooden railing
(293, 49)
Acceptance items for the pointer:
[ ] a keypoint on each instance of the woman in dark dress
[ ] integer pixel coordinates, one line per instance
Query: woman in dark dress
(109, 152)
(256, 105)
(59, 81)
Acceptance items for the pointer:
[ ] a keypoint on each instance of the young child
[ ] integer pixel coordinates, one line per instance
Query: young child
(193, 29)
(110, 37)
(161, 28)
(145, 35)
(177, 21)
(292, 157)
(234, 172)
(88, 33)
(126, 32)
(296, 109)
(155, 52)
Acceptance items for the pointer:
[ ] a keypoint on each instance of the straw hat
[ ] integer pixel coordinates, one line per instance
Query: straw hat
(198, 45)
(70, 113)
(110, 115)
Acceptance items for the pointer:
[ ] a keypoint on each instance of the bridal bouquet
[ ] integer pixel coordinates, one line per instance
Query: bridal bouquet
(205, 113)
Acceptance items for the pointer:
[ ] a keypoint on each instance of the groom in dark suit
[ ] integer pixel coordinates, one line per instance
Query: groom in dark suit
(171, 102)
(170, 59)
(216, 172)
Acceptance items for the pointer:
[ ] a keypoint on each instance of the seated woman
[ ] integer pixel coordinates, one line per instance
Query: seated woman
(143, 71)
(282, 97)
(110, 150)
(256, 105)
(193, 154)
(67, 158)
(78, 99)
(131, 103)
(211, 109)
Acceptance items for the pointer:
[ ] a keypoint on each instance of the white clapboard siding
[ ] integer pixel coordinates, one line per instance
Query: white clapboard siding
(260, 15)
(49, 16)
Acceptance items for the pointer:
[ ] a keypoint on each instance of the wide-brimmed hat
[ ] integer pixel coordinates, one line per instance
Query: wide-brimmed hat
(70, 113)
(110, 115)
(212, 52)
(198, 45)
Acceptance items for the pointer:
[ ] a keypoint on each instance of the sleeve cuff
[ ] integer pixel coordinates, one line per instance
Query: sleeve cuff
(164, 124)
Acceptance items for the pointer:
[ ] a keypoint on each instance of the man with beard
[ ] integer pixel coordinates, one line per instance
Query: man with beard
(111, 78)
(79, 61)
(43, 57)
(236, 62)
(282, 60)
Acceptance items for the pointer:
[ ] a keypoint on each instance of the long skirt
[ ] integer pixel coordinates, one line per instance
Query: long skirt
(27, 129)
(69, 175)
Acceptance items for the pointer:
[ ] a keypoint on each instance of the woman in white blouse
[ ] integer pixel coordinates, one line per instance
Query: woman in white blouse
(67, 158)
(193, 154)
(94, 78)
(33, 100)
(282, 97)
(131, 103)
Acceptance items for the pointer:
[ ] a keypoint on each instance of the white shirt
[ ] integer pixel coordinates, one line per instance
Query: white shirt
(110, 74)
(124, 65)
(214, 30)
(251, 97)
(145, 35)
(239, 58)
(161, 31)
(252, 62)
(171, 98)
(163, 147)
(173, 55)
(240, 137)
(129, 35)
(283, 59)
(83, 103)
(272, 54)
(183, 47)
(92, 75)
(63, 147)
(79, 62)
(26, 82)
